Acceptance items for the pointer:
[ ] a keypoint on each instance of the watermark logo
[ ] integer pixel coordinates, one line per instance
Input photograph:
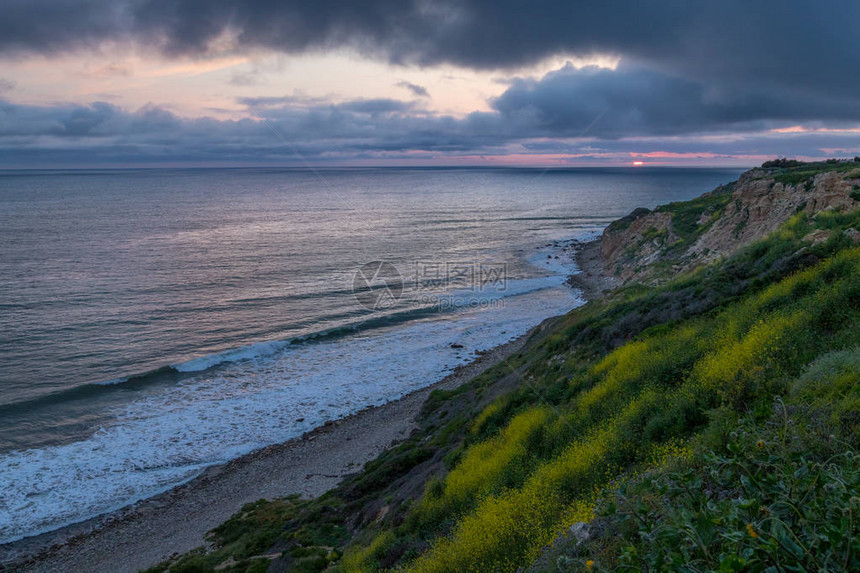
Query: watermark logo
(470, 276)
(377, 285)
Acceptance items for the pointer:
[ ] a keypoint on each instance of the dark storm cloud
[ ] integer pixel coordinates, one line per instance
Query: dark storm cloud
(592, 102)
(688, 70)
(767, 40)
(688, 65)
(633, 100)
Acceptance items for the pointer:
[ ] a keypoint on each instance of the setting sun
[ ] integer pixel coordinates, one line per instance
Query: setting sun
(638, 163)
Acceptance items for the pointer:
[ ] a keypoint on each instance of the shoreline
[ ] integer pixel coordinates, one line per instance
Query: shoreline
(149, 531)
(592, 278)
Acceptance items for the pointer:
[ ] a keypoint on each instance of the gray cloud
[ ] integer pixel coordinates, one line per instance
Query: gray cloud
(325, 132)
(633, 100)
(377, 106)
(294, 100)
(769, 40)
(267, 105)
(242, 79)
(101, 132)
(687, 67)
(419, 91)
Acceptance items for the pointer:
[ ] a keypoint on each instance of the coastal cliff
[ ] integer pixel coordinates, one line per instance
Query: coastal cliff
(654, 246)
(702, 415)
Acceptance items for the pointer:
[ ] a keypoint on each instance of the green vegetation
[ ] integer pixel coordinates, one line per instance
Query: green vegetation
(686, 215)
(707, 424)
(646, 395)
(795, 172)
(249, 539)
(624, 222)
(752, 496)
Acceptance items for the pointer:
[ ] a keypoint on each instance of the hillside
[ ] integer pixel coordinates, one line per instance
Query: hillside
(702, 417)
(653, 246)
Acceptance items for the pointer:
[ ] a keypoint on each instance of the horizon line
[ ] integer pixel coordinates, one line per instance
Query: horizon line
(407, 166)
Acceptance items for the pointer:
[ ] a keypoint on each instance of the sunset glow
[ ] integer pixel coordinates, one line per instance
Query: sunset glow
(124, 84)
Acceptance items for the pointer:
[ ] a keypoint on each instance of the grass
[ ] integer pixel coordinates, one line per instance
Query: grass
(686, 214)
(803, 172)
(777, 494)
(624, 222)
(245, 542)
(498, 463)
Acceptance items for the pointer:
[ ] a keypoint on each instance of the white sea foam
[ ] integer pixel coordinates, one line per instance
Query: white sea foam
(165, 439)
(556, 258)
(113, 382)
(244, 353)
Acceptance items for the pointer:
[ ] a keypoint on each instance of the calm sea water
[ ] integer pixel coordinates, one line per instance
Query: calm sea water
(155, 322)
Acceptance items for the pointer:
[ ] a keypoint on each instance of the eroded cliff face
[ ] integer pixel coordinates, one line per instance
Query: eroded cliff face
(653, 246)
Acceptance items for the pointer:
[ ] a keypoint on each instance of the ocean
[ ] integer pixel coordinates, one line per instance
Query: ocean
(154, 322)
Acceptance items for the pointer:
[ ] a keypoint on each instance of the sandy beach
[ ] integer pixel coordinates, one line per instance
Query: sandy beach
(145, 533)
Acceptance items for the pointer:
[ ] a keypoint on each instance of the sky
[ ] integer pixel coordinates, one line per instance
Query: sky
(426, 82)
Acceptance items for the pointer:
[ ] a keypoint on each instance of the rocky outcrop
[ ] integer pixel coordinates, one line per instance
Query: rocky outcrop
(760, 204)
(652, 246)
(645, 236)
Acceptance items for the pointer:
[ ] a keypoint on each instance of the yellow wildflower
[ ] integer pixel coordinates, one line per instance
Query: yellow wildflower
(751, 530)
(589, 564)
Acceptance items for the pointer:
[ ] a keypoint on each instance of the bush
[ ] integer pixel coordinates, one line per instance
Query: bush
(782, 162)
